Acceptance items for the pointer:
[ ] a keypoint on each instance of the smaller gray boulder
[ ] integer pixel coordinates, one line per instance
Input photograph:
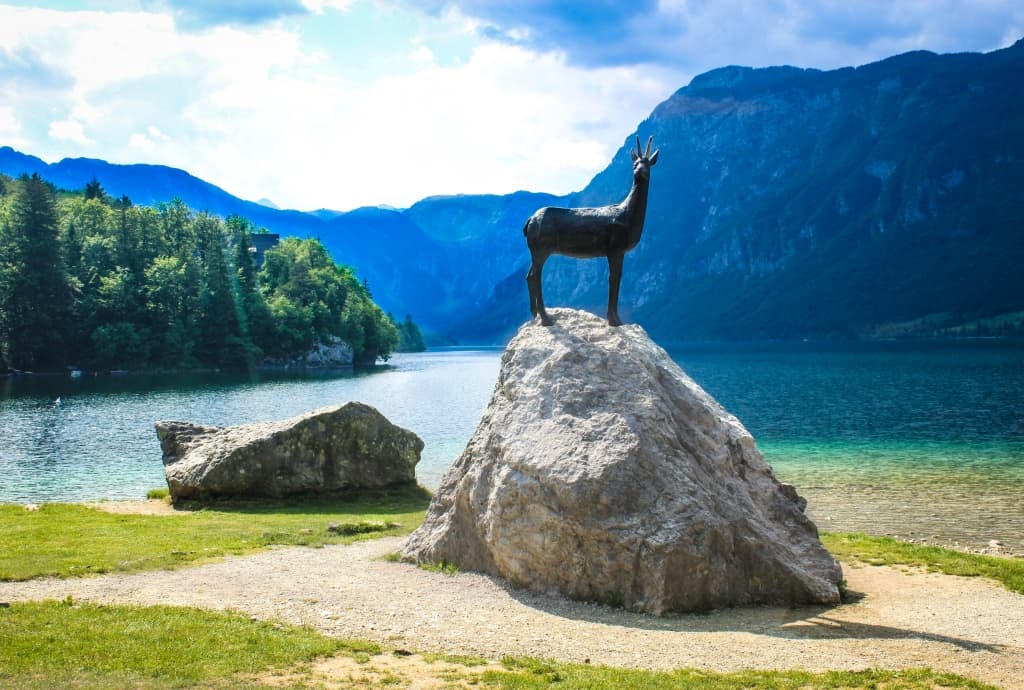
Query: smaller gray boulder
(334, 448)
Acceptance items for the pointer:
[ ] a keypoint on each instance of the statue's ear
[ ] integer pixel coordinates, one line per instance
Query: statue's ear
(632, 155)
(654, 158)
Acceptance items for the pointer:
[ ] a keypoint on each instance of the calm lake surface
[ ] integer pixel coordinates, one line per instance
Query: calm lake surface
(920, 440)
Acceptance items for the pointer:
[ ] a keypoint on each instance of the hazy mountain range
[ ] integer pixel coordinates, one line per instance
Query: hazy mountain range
(883, 200)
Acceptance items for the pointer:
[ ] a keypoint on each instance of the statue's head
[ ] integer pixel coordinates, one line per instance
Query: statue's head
(643, 160)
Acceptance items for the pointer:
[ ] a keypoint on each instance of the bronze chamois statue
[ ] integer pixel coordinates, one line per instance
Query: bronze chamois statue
(589, 233)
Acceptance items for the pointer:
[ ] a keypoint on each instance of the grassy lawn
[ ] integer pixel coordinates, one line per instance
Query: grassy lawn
(67, 540)
(61, 644)
(55, 644)
(531, 674)
(65, 644)
(889, 551)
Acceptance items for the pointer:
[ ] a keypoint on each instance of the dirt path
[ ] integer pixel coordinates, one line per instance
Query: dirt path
(963, 625)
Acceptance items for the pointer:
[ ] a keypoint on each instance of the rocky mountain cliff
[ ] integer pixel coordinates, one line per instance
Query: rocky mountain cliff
(883, 200)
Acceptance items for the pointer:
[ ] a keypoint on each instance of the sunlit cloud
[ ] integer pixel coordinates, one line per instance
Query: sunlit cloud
(342, 103)
(256, 112)
(10, 127)
(203, 14)
(319, 6)
(697, 36)
(69, 130)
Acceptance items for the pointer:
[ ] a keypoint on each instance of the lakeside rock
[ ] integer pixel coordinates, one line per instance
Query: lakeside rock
(329, 354)
(333, 353)
(600, 470)
(334, 448)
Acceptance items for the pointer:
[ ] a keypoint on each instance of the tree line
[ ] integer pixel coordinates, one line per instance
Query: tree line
(97, 282)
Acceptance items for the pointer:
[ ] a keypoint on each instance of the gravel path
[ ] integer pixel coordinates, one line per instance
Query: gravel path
(963, 625)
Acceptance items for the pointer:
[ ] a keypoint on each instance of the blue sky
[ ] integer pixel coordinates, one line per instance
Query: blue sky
(344, 103)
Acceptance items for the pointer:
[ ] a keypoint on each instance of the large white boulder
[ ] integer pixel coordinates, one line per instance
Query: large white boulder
(600, 470)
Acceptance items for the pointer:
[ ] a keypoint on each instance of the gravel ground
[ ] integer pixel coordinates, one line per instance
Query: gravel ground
(902, 619)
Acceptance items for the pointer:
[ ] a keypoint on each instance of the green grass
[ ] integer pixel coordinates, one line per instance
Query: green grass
(67, 540)
(468, 660)
(63, 644)
(443, 567)
(158, 494)
(527, 674)
(56, 644)
(888, 551)
(53, 644)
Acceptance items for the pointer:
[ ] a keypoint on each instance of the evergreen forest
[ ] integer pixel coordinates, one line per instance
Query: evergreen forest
(98, 283)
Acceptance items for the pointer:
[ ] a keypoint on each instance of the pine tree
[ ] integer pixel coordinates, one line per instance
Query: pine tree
(94, 190)
(221, 311)
(34, 296)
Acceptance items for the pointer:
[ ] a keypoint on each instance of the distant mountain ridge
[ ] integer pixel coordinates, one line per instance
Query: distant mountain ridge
(145, 184)
(428, 272)
(883, 200)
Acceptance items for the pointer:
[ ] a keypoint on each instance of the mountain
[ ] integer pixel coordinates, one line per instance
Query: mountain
(408, 269)
(883, 200)
(144, 184)
(436, 260)
(877, 201)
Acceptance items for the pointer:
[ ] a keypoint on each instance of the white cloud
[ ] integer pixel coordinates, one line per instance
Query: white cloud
(149, 140)
(141, 142)
(260, 114)
(506, 119)
(318, 6)
(10, 127)
(697, 35)
(69, 130)
(267, 112)
(422, 57)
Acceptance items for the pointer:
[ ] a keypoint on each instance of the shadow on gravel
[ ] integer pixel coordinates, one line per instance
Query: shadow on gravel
(802, 622)
(823, 627)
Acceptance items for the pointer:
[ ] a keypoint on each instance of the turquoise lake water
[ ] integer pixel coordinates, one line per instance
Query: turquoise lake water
(919, 440)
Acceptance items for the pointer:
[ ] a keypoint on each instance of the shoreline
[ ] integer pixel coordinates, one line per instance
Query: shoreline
(111, 373)
(668, 345)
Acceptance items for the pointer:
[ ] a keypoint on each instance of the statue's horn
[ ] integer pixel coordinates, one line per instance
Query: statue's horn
(650, 141)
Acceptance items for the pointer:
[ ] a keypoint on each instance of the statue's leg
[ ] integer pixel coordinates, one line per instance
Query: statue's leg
(538, 289)
(530, 286)
(614, 278)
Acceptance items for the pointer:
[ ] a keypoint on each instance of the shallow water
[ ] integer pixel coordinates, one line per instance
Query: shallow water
(919, 440)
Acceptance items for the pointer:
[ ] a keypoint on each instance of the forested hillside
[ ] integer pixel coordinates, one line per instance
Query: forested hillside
(95, 282)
